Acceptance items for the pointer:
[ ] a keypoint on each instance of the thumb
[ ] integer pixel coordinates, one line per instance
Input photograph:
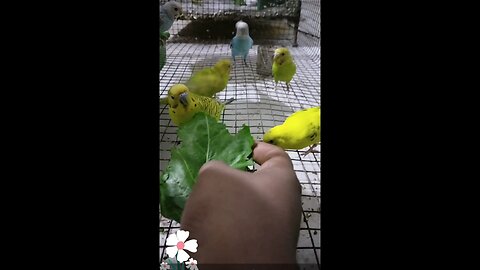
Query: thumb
(216, 169)
(213, 164)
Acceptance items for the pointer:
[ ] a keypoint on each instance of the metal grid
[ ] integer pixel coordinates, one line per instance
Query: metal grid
(260, 107)
(269, 19)
(200, 9)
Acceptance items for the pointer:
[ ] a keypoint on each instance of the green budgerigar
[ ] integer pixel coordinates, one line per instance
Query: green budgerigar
(283, 67)
(183, 104)
(209, 81)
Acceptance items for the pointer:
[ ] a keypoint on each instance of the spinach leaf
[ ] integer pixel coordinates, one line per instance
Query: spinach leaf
(203, 139)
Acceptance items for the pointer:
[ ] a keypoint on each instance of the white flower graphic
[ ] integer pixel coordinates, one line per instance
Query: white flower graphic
(192, 264)
(177, 244)
(164, 266)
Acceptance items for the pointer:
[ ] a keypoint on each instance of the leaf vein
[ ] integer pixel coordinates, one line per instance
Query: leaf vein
(186, 165)
(208, 140)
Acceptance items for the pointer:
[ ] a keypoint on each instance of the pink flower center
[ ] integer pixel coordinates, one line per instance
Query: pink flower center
(180, 245)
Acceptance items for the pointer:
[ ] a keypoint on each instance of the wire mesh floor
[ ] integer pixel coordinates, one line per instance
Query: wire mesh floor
(260, 107)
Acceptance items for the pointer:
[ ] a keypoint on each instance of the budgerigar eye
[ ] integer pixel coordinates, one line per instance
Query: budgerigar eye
(176, 9)
(172, 97)
(283, 53)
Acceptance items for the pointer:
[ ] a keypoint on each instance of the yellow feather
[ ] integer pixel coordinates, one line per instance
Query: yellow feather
(180, 112)
(283, 67)
(209, 81)
(301, 129)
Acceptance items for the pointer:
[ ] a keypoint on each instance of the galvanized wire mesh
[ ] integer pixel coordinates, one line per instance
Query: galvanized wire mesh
(269, 20)
(260, 107)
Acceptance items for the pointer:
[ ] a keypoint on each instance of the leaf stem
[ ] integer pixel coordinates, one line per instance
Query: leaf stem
(208, 140)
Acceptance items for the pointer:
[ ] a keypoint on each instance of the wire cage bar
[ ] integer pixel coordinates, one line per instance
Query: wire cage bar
(256, 103)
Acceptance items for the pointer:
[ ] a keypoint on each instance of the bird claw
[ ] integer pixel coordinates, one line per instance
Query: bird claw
(311, 150)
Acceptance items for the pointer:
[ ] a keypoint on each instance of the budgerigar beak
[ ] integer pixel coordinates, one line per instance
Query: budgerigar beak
(183, 99)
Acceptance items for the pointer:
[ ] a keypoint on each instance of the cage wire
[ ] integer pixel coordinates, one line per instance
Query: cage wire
(202, 36)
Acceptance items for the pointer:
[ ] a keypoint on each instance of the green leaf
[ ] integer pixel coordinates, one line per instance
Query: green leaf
(164, 35)
(203, 139)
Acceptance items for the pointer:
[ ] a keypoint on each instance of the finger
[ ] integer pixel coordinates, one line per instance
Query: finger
(276, 169)
(216, 170)
(268, 155)
(263, 152)
(214, 165)
(213, 177)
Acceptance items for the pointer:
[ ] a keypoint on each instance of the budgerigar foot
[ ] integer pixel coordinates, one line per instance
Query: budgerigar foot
(311, 150)
(288, 87)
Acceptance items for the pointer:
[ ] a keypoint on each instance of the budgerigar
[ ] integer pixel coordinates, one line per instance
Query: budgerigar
(299, 130)
(183, 104)
(209, 81)
(242, 42)
(283, 67)
(168, 13)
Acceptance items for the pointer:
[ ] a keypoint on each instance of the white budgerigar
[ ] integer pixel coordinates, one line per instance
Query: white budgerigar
(242, 42)
(168, 13)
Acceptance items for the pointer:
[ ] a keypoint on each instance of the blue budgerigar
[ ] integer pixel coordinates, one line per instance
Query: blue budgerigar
(242, 42)
(168, 13)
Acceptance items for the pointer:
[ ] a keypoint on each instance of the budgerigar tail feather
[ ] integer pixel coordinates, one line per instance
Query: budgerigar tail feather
(229, 101)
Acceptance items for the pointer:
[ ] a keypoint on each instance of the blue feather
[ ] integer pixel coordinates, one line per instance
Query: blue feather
(165, 21)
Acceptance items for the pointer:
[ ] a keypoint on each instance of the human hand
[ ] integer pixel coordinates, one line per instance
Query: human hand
(241, 217)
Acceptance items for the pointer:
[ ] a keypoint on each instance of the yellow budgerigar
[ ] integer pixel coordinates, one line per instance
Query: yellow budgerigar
(183, 104)
(301, 129)
(283, 67)
(209, 81)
